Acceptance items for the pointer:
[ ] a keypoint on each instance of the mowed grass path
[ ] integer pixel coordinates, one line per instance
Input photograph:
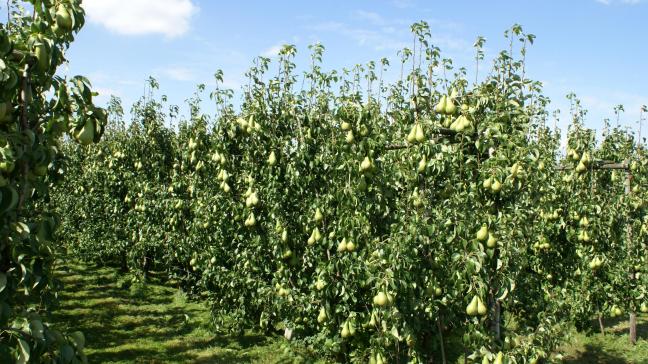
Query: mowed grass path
(153, 323)
(611, 348)
(150, 324)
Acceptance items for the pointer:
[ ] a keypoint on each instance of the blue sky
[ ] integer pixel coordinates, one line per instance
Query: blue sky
(596, 48)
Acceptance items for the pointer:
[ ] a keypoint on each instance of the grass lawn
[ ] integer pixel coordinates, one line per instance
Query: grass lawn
(158, 324)
(151, 324)
(612, 348)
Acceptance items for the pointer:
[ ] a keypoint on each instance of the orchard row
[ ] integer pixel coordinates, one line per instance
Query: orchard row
(372, 221)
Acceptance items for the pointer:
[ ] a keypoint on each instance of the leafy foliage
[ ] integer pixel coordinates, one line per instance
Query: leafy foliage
(37, 107)
(368, 219)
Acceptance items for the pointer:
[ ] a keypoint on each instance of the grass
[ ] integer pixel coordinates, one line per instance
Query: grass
(152, 323)
(612, 348)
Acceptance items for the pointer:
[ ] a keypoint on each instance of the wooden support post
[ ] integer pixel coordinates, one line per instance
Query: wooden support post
(633, 314)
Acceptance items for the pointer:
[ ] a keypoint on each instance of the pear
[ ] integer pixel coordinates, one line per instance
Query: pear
(251, 220)
(322, 316)
(466, 125)
(380, 299)
(450, 107)
(350, 246)
(366, 165)
(515, 169)
(345, 126)
(316, 235)
(541, 166)
(617, 311)
(460, 124)
(64, 18)
(455, 123)
(342, 246)
(481, 308)
(492, 241)
(284, 235)
(380, 359)
(349, 137)
(42, 55)
(472, 309)
(345, 330)
(496, 186)
(421, 165)
(252, 200)
(643, 308)
(580, 168)
(411, 137)
(390, 298)
(488, 182)
(352, 329)
(441, 106)
(374, 319)
(226, 188)
(318, 215)
(482, 234)
(419, 135)
(575, 155)
(499, 359)
(320, 284)
(272, 159)
(86, 135)
(583, 222)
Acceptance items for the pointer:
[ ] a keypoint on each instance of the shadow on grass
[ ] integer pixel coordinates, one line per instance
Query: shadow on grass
(144, 323)
(595, 355)
(622, 330)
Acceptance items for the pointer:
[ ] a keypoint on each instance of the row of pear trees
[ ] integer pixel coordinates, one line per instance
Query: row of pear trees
(370, 221)
(38, 108)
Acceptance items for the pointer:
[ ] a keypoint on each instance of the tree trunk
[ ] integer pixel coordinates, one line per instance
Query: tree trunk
(601, 326)
(496, 324)
(440, 328)
(633, 328)
(123, 264)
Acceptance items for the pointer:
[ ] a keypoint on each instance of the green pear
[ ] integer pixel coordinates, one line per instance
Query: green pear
(472, 309)
(481, 308)
(380, 299)
(482, 234)
(86, 134)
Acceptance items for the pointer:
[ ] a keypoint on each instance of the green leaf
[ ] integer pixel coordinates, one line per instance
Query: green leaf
(25, 351)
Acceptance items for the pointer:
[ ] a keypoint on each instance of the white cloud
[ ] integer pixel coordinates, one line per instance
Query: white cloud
(138, 17)
(177, 73)
(369, 16)
(375, 39)
(273, 51)
(626, 2)
(390, 35)
(107, 92)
